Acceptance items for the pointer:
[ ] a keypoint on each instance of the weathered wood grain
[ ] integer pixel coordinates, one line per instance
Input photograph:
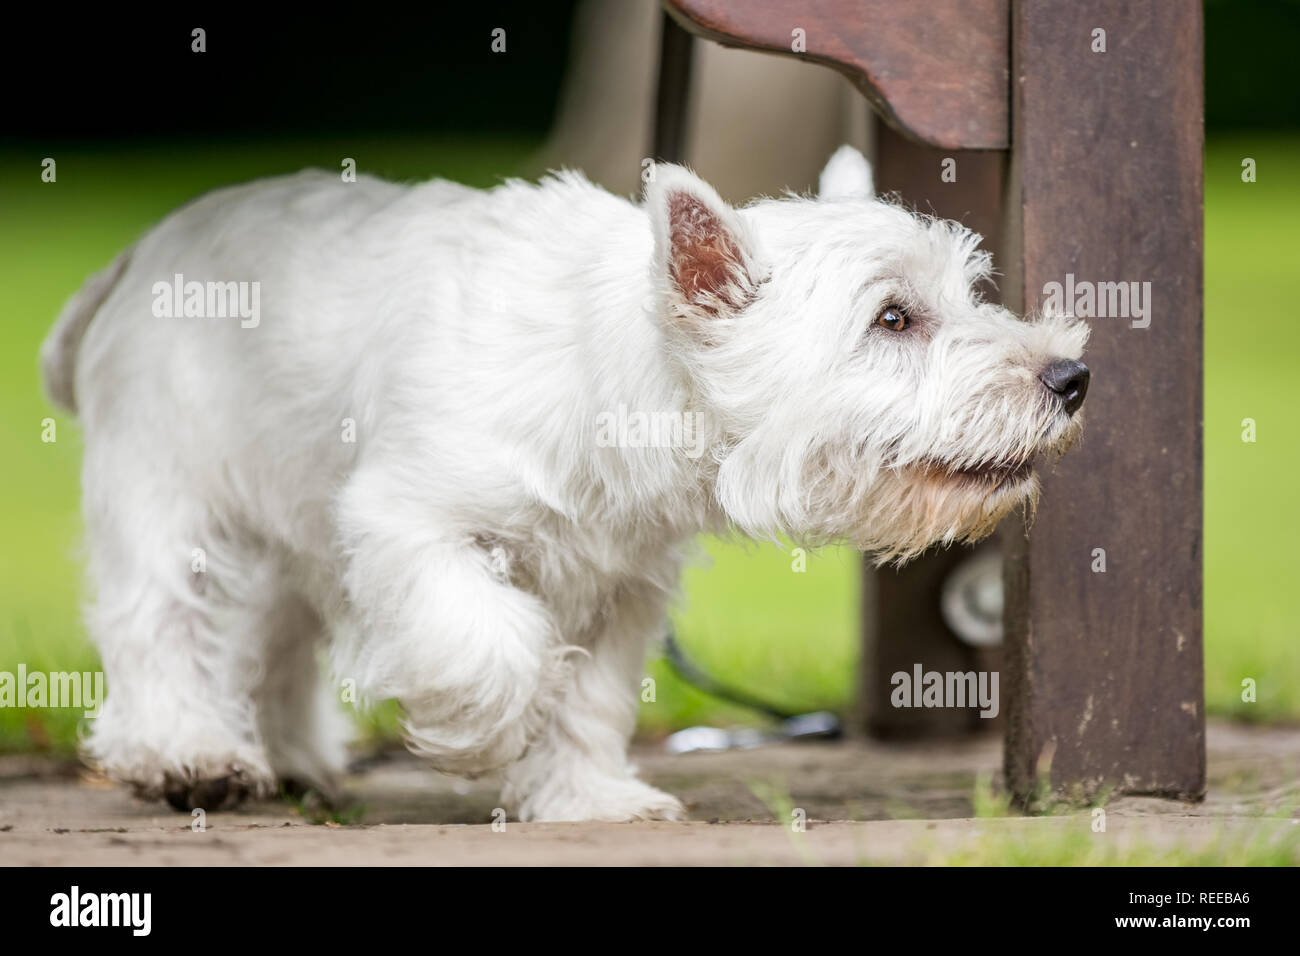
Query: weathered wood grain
(1105, 669)
(937, 71)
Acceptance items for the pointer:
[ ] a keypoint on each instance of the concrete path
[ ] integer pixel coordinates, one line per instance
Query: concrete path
(864, 803)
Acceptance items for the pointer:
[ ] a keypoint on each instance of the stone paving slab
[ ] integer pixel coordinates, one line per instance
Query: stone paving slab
(864, 802)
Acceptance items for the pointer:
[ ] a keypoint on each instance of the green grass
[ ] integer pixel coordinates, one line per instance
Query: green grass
(1068, 838)
(748, 617)
(1058, 834)
(1055, 834)
(1252, 341)
(1270, 842)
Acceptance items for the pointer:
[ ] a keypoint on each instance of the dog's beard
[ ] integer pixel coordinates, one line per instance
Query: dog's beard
(911, 511)
(895, 511)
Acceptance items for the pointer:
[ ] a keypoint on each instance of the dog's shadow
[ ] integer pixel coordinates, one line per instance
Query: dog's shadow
(392, 788)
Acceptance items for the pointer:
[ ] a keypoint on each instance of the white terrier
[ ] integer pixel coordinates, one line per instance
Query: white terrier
(375, 418)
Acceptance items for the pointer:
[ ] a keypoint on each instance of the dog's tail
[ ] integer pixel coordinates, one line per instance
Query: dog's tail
(59, 350)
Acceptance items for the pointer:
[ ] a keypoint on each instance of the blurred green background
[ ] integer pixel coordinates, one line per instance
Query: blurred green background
(744, 615)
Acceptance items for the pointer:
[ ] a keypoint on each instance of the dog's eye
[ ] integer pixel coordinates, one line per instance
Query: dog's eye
(893, 317)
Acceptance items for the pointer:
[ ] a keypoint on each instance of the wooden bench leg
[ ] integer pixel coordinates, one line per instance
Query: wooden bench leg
(1105, 666)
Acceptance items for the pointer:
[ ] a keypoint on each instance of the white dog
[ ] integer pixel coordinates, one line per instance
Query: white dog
(369, 417)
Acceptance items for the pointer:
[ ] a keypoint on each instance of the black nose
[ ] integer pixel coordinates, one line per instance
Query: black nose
(1069, 379)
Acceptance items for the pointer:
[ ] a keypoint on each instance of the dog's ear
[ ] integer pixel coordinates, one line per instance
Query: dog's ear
(847, 175)
(704, 254)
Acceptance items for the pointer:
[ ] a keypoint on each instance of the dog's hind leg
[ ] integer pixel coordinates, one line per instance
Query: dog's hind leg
(175, 603)
(298, 711)
(578, 768)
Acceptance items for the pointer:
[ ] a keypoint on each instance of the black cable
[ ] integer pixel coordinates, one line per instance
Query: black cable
(692, 674)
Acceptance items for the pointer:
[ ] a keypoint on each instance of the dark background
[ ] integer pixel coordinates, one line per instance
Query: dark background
(103, 76)
(98, 76)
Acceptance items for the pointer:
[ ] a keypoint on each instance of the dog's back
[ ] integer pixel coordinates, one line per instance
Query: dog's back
(259, 217)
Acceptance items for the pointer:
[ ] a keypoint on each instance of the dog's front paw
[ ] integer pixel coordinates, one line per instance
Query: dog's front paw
(608, 801)
(650, 804)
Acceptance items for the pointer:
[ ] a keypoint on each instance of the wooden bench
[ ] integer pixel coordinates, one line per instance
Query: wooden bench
(1077, 162)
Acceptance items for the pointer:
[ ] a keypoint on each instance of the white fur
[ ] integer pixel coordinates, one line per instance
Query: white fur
(847, 175)
(476, 553)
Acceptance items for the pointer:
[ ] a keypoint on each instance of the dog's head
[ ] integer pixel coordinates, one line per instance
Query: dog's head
(861, 389)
